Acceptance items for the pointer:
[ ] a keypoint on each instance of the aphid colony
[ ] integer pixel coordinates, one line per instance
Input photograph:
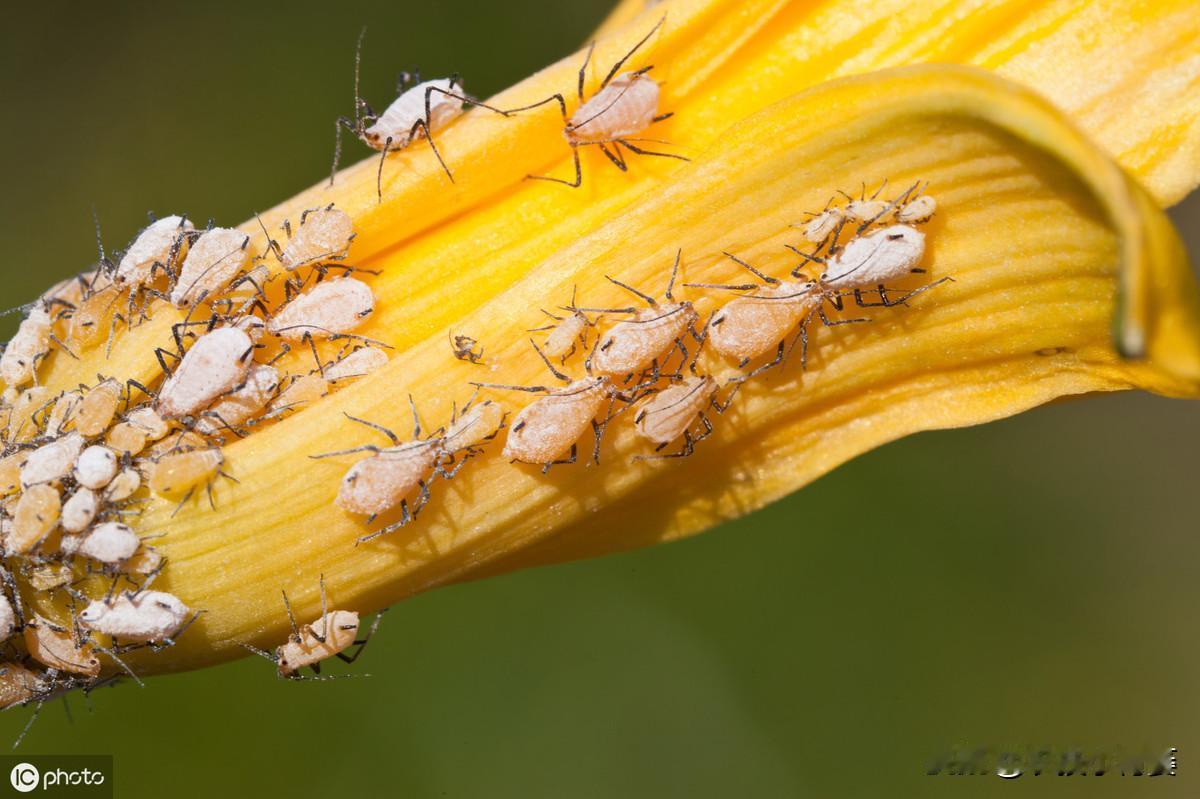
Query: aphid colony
(647, 357)
(77, 464)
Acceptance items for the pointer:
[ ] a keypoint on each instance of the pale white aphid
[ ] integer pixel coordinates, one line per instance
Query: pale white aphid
(918, 210)
(241, 404)
(358, 363)
(330, 635)
(905, 209)
(79, 511)
(876, 258)
(213, 365)
(155, 248)
(670, 413)
(213, 260)
(144, 617)
(123, 485)
(420, 109)
(324, 235)
(546, 431)
(30, 344)
(330, 308)
(96, 467)
(8, 618)
(390, 475)
(751, 325)
(569, 332)
(647, 338)
(52, 462)
(146, 419)
(110, 543)
(616, 115)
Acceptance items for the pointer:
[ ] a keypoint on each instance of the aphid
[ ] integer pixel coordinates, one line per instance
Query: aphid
(147, 617)
(330, 308)
(52, 462)
(463, 348)
(96, 467)
(21, 424)
(27, 348)
(176, 476)
(125, 438)
(244, 402)
(10, 472)
(211, 367)
(567, 332)
(79, 511)
(324, 236)
(89, 320)
(35, 516)
(213, 260)
(671, 412)
(359, 363)
(546, 431)
(330, 635)
(56, 648)
(385, 480)
(97, 408)
(8, 617)
(49, 576)
(147, 420)
(110, 543)
(875, 258)
(155, 249)
(616, 115)
(18, 685)
(303, 390)
(182, 441)
(420, 109)
(637, 344)
(123, 486)
(61, 415)
(868, 211)
(477, 423)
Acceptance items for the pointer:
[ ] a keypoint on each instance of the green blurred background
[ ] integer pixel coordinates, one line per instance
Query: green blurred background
(1031, 582)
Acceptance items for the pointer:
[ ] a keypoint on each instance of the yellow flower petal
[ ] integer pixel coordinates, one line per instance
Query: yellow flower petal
(1040, 230)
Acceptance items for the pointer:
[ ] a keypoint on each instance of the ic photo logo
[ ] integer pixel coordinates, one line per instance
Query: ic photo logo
(58, 775)
(24, 777)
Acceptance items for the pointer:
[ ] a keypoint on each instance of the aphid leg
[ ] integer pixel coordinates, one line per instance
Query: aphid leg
(578, 172)
(569, 460)
(614, 156)
(643, 151)
(423, 125)
(120, 663)
(549, 365)
(379, 174)
(361, 643)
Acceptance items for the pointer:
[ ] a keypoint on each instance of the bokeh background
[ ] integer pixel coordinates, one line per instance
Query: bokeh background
(1027, 583)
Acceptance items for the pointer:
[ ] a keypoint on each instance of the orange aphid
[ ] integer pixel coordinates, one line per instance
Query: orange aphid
(35, 516)
(95, 413)
(176, 476)
(57, 649)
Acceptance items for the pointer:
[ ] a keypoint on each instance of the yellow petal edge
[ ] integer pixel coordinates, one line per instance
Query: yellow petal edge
(1040, 229)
